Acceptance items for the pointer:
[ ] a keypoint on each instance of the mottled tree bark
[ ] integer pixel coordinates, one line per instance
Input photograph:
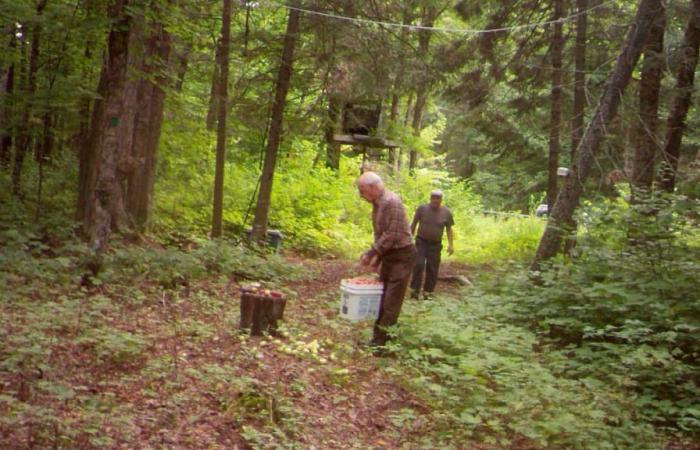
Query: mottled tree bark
(103, 194)
(556, 48)
(675, 123)
(221, 104)
(649, 88)
(282, 86)
(147, 126)
(561, 216)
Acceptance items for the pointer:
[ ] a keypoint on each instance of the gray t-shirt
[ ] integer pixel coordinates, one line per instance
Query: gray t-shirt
(432, 222)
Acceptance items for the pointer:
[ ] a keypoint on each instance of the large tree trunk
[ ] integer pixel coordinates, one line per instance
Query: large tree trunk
(681, 101)
(283, 78)
(567, 201)
(332, 148)
(104, 209)
(7, 110)
(557, 45)
(222, 110)
(579, 76)
(149, 120)
(649, 88)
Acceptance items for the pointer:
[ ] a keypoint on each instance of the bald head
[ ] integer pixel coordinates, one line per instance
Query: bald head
(370, 186)
(369, 179)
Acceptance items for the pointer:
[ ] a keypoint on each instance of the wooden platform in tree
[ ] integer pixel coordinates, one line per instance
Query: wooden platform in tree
(364, 140)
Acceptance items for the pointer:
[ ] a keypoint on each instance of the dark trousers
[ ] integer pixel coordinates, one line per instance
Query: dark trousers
(428, 261)
(395, 273)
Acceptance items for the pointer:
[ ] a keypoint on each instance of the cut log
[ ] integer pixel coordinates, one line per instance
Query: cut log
(261, 312)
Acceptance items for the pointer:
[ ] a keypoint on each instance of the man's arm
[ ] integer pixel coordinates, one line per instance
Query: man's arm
(450, 241)
(450, 236)
(415, 222)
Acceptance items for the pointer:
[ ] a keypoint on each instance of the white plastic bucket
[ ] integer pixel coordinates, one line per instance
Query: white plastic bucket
(360, 301)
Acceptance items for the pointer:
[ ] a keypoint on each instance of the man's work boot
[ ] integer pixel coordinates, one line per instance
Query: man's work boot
(415, 293)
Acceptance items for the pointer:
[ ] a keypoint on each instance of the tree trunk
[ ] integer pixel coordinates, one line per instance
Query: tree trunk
(649, 88)
(675, 123)
(282, 86)
(557, 44)
(24, 130)
(394, 154)
(215, 90)
(182, 60)
(579, 76)
(421, 98)
(149, 120)
(562, 213)
(393, 116)
(7, 110)
(332, 148)
(222, 110)
(103, 194)
(423, 84)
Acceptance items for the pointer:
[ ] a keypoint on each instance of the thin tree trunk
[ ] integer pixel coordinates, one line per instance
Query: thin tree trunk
(221, 104)
(104, 195)
(579, 76)
(567, 201)
(675, 123)
(24, 132)
(7, 110)
(332, 148)
(215, 89)
(423, 85)
(421, 98)
(393, 116)
(394, 154)
(282, 86)
(649, 88)
(182, 60)
(557, 45)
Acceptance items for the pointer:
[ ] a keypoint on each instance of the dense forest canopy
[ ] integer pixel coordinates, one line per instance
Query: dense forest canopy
(147, 148)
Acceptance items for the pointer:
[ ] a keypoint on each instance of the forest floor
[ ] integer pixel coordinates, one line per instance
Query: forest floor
(148, 368)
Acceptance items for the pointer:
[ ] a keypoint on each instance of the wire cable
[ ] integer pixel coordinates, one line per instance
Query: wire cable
(439, 29)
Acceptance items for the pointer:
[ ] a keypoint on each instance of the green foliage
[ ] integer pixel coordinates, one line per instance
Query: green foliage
(497, 239)
(112, 345)
(487, 381)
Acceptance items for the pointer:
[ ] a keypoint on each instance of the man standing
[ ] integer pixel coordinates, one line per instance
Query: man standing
(432, 219)
(392, 248)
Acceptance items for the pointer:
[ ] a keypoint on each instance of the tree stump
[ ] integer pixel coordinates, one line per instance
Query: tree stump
(261, 309)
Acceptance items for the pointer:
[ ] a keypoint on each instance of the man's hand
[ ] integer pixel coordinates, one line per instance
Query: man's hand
(450, 249)
(366, 258)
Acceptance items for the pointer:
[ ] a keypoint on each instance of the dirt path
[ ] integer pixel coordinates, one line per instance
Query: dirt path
(348, 402)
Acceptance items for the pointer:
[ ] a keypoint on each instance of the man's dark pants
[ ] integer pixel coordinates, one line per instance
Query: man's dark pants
(428, 261)
(395, 273)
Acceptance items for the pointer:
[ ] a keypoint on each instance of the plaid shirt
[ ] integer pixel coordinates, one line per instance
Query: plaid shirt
(390, 224)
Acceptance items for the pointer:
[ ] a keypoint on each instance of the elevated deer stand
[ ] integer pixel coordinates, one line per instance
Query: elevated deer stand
(360, 125)
(261, 309)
